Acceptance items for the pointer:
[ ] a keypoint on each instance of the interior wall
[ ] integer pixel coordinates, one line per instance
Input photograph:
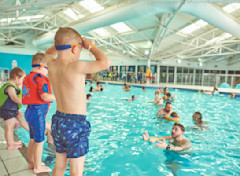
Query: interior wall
(23, 61)
(23, 57)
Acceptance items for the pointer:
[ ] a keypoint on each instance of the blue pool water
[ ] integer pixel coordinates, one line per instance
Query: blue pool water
(117, 148)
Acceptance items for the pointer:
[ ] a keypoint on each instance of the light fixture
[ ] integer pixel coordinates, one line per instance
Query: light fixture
(146, 52)
(179, 61)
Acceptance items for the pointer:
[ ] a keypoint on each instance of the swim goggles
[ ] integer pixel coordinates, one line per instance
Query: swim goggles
(39, 65)
(63, 47)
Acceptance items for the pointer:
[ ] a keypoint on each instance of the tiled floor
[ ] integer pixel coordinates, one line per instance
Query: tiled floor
(12, 162)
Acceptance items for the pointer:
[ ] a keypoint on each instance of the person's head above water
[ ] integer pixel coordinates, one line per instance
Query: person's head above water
(174, 114)
(168, 107)
(134, 97)
(157, 93)
(197, 116)
(89, 96)
(168, 95)
(177, 130)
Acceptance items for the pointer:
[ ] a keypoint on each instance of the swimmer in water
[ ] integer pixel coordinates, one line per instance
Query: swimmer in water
(197, 117)
(89, 97)
(133, 98)
(126, 87)
(174, 115)
(166, 111)
(158, 100)
(176, 139)
(98, 87)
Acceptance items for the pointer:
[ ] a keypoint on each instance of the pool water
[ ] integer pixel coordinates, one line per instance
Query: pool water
(117, 147)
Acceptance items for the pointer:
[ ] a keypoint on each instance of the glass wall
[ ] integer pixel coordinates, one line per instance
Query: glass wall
(198, 77)
(171, 75)
(184, 75)
(179, 75)
(163, 74)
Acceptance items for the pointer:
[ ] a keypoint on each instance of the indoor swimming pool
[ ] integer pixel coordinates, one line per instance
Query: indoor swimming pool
(117, 147)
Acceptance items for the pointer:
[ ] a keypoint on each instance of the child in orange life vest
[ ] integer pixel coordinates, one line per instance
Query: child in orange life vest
(133, 98)
(37, 95)
(10, 102)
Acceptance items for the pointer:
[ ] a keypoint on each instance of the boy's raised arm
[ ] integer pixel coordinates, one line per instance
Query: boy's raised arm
(50, 54)
(102, 62)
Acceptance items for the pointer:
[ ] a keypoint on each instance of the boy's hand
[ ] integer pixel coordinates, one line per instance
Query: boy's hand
(87, 42)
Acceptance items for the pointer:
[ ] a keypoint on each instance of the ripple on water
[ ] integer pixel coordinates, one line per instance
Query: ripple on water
(117, 148)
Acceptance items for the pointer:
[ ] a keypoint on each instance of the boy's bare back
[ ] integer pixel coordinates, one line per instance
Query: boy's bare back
(67, 73)
(68, 86)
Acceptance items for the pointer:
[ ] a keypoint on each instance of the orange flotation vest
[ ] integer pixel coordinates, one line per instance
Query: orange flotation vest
(29, 90)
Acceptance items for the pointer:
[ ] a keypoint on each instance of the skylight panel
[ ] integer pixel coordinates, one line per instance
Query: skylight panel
(201, 23)
(121, 27)
(219, 38)
(189, 29)
(101, 31)
(91, 5)
(72, 13)
(231, 7)
(193, 27)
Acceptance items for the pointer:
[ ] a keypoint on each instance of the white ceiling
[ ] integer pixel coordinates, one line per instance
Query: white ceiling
(158, 31)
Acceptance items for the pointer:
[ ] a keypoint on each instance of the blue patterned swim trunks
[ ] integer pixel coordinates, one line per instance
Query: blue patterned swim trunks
(70, 133)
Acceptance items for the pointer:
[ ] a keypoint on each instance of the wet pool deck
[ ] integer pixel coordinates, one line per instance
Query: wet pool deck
(13, 162)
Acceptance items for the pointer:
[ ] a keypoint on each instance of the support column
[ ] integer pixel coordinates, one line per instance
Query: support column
(194, 75)
(175, 75)
(226, 76)
(167, 75)
(158, 73)
(202, 77)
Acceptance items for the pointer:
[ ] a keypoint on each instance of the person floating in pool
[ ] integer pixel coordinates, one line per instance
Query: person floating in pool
(158, 100)
(98, 87)
(101, 88)
(126, 87)
(89, 97)
(37, 96)
(213, 92)
(133, 98)
(143, 89)
(91, 89)
(165, 91)
(160, 90)
(70, 129)
(174, 115)
(166, 111)
(197, 117)
(168, 97)
(176, 140)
